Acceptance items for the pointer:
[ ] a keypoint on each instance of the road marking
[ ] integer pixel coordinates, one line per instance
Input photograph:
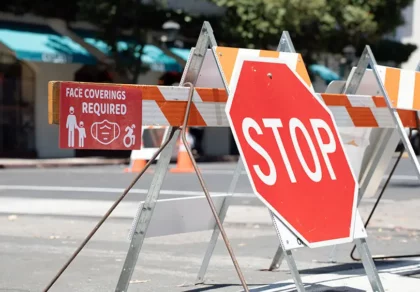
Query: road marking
(204, 170)
(341, 280)
(402, 177)
(111, 190)
(97, 208)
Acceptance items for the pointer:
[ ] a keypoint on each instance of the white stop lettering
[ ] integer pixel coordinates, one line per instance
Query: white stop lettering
(294, 124)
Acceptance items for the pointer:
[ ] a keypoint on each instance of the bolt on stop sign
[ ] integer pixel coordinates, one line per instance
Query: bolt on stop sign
(292, 152)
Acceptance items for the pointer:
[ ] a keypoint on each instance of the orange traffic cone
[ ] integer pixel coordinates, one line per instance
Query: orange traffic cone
(183, 163)
(136, 165)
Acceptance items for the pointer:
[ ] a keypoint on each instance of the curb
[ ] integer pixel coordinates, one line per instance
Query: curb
(61, 162)
(92, 161)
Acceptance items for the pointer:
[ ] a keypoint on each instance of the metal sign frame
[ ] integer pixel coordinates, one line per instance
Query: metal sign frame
(377, 162)
(285, 45)
(378, 153)
(367, 59)
(144, 214)
(282, 252)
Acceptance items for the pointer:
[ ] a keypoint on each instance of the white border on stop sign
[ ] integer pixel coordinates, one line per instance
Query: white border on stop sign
(232, 89)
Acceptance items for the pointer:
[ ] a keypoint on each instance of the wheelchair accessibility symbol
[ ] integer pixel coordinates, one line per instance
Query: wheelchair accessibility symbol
(129, 138)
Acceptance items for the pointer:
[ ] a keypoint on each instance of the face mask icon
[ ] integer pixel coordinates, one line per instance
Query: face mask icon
(105, 132)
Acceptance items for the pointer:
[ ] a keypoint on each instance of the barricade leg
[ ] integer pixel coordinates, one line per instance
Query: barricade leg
(207, 193)
(368, 58)
(146, 213)
(190, 75)
(369, 55)
(216, 231)
(294, 270)
(277, 259)
(369, 265)
(107, 214)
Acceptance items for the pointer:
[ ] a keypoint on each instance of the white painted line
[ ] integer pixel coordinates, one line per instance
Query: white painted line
(97, 208)
(205, 170)
(111, 190)
(403, 177)
(391, 282)
(403, 269)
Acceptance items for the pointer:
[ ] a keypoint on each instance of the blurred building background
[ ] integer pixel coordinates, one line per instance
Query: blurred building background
(35, 50)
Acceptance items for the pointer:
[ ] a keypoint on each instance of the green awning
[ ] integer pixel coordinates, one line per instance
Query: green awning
(40, 43)
(153, 57)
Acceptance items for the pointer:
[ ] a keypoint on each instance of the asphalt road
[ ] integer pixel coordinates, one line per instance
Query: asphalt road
(33, 247)
(106, 183)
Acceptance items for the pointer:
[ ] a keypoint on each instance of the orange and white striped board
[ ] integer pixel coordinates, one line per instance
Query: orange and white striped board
(219, 63)
(402, 86)
(166, 105)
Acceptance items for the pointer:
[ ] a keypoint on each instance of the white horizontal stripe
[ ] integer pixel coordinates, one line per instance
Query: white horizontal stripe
(406, 89)
(361, 101)
(111, 190)
(70, 207)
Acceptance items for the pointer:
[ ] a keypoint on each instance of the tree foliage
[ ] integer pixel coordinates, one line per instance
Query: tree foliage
(315, 26)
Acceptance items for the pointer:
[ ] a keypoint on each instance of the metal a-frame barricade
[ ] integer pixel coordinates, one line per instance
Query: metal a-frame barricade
(175, 108)
(145, 211)
(383, 140)
(219, 52)
(213, 76)
(404, 90)
(286, 46)
(288, 240)
(212, 115)
(386, 111)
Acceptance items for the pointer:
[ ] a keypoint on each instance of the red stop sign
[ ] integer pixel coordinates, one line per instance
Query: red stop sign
(293, 153)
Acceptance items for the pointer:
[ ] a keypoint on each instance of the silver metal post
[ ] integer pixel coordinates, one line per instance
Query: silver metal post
(286, 44)
(369, 265)
(294, 271)
(144, 215)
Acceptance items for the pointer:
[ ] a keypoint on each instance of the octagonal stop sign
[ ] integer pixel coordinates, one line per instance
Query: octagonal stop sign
(292, 152)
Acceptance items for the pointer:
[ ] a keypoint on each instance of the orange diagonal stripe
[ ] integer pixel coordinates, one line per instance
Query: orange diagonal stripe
(416, 102)
(336, 100)
(408, 118)
(362, 117)
(392, 84)
(174, 112)
(379, 101)
(227, 58)
(152, 93)
(212, 94)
